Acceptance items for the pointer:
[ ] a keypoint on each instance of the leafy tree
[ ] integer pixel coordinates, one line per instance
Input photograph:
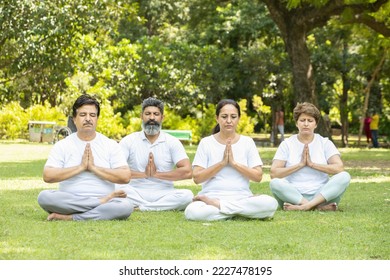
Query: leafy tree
(296, 18)
(39, 45)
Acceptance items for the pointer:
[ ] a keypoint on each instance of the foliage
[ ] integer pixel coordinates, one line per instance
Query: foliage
(191, 54)
(39, 45)
(262, 110)
(14, 119)
(200, 126)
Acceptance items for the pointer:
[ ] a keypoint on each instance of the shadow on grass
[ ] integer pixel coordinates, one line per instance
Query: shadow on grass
(21, 170)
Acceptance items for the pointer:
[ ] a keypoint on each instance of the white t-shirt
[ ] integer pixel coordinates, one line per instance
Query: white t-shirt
(228, 181)
(167, 151)
(306, 180)
(69, 152)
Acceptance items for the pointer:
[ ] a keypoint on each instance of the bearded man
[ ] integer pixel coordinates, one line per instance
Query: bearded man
(156, 159)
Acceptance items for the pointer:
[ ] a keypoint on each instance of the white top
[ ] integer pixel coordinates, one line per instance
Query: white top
(167, 151)
(307, 180)
(228, 181)
(69, 152)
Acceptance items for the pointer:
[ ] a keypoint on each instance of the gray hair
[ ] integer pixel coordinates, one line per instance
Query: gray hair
(154, 103)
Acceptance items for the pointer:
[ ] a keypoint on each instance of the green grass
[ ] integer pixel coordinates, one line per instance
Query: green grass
(359, 231)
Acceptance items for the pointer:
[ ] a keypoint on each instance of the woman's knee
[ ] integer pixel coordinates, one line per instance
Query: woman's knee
(343, 178)
(267, 203)
(276, 185)
(346, 177)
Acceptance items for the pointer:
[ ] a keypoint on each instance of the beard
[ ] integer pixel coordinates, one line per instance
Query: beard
(151, 127)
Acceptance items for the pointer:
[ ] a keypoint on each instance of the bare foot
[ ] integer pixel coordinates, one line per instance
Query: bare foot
(59, 217)
(207, 200)
(328, 207)
(292, 207)
(116, 193)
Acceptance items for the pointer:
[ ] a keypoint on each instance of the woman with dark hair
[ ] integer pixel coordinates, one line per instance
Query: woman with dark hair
(224, 164)
(302, 164)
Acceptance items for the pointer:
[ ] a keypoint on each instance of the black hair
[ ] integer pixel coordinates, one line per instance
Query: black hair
(220, 105)
(85, 99)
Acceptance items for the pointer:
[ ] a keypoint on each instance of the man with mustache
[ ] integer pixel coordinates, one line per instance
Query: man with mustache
(156, 159)
(87, 166)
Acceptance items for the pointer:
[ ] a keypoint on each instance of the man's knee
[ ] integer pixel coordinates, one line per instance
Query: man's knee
(187, 196)
(119, 208)
(44, 198)
(193, 211)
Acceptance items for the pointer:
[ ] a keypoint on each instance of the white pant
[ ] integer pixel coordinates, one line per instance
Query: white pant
(84, 207)
(159, 200)
(255, 207)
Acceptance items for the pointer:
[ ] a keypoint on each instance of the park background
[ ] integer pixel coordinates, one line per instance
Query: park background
(192, 53)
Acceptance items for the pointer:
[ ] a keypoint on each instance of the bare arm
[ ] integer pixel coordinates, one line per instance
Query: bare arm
(120, 175)
(254, 174)
(334, 166)
(55, 175)
(201, 174)
(181, 172)
(279, 170)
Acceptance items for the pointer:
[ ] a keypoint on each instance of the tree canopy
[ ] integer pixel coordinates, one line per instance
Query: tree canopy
(192, 53)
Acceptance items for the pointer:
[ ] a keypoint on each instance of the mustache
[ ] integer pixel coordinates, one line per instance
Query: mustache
(150, 122)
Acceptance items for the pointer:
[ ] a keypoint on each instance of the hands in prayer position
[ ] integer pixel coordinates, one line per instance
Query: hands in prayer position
(151, 168)
(306, 161)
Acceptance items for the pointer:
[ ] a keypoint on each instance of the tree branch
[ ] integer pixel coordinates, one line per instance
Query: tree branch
(372, 23)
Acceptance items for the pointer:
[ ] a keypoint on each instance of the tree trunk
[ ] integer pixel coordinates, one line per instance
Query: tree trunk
(302, 69)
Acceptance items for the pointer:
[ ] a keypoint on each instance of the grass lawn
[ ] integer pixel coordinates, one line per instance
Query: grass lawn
(359, 231)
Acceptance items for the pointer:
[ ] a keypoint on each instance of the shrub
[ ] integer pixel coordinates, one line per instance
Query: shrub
(13, 121)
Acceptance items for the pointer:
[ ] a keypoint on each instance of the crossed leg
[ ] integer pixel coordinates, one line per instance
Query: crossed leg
(64, 217)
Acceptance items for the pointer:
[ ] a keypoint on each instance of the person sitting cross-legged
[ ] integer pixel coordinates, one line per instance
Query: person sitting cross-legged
(156, 160)
(224, 164)
(87, 165)
(307, 172)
